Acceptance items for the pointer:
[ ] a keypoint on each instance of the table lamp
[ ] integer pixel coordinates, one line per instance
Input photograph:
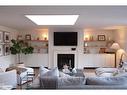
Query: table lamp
(116, 47)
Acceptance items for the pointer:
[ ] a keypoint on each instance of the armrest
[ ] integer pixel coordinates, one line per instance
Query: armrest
(9, 78)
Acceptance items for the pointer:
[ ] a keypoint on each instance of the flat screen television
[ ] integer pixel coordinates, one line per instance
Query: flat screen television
(65, 38)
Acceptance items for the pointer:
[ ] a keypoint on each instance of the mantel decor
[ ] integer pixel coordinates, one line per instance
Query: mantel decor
(27, 37)
(101, 38)
(7, 37)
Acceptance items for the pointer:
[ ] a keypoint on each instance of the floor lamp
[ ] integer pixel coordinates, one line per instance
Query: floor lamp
(116, 47)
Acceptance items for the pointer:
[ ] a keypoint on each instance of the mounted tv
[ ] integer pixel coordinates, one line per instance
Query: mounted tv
(65, 38)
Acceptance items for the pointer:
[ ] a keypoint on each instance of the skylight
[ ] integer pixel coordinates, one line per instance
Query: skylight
(53, 19)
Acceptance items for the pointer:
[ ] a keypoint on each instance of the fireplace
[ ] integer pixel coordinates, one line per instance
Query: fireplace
(67, 59)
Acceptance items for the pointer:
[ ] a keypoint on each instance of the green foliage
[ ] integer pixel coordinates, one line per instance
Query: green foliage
(19, 47)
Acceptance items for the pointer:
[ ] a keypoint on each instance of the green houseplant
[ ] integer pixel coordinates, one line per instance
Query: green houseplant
(20, 47)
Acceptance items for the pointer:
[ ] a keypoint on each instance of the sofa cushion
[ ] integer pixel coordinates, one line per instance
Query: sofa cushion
(106, 81)
(62, 74)
(124, 74)
(100, 71)
(66, 80)
(48, 80)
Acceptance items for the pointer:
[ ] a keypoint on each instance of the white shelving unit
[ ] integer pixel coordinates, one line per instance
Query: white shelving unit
(95, 46)
(40, 46)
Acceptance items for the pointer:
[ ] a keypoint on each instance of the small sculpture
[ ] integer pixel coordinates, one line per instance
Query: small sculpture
(66, 68)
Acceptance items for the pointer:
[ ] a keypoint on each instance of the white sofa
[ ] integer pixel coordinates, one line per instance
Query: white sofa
(51, 81)
(8, 78)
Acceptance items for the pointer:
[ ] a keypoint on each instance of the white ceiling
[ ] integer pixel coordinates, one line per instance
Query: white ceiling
(90, 16)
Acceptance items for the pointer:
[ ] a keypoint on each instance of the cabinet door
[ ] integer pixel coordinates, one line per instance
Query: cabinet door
(96, 60)
(36, 60)
(101, 60)
(110, 60)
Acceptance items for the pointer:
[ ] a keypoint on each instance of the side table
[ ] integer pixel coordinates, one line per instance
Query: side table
(30, 77)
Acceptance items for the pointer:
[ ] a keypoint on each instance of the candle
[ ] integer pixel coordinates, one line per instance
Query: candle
(70, 63)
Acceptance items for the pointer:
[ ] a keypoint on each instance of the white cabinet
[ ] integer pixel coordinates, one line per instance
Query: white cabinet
(36, 60)
(96, 60)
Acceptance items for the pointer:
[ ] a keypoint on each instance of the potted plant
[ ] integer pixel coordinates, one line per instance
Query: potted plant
(20, 47)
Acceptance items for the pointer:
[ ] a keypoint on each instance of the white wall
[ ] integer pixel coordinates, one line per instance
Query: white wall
(121, 37)
(9, 59)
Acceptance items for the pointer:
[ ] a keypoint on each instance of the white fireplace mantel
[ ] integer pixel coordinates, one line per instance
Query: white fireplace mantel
(56, 52)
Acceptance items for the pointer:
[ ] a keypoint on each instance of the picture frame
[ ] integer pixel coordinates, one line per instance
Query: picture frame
(27, 37)
(6, 49)
(1, 50)
(1, 36)
(101, 38)
(19, 37)
(6, 37)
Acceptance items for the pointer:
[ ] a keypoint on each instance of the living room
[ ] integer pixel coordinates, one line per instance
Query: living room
(86, 45)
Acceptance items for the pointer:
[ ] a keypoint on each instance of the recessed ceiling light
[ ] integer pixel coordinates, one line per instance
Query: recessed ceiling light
(53, 19)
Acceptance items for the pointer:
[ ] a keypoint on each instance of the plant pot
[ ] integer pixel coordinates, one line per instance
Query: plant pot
(21, 64)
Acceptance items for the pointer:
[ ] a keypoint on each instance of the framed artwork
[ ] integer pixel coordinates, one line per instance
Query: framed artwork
(6, 36)
(19, 37)
(1, 50)
(6, 49)
(101, 38)
(27, 37)
(1, 36)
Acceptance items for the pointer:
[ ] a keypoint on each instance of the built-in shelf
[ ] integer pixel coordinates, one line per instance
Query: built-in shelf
(95, 41)
(40, 46)
(95, 47)
(37, 40)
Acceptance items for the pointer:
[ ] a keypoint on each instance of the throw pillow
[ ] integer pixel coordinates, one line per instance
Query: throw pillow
(43, 70)
(62, 74)
(52, 73)
(48, 79)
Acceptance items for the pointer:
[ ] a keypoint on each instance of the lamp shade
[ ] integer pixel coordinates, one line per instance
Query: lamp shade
(115, 46)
